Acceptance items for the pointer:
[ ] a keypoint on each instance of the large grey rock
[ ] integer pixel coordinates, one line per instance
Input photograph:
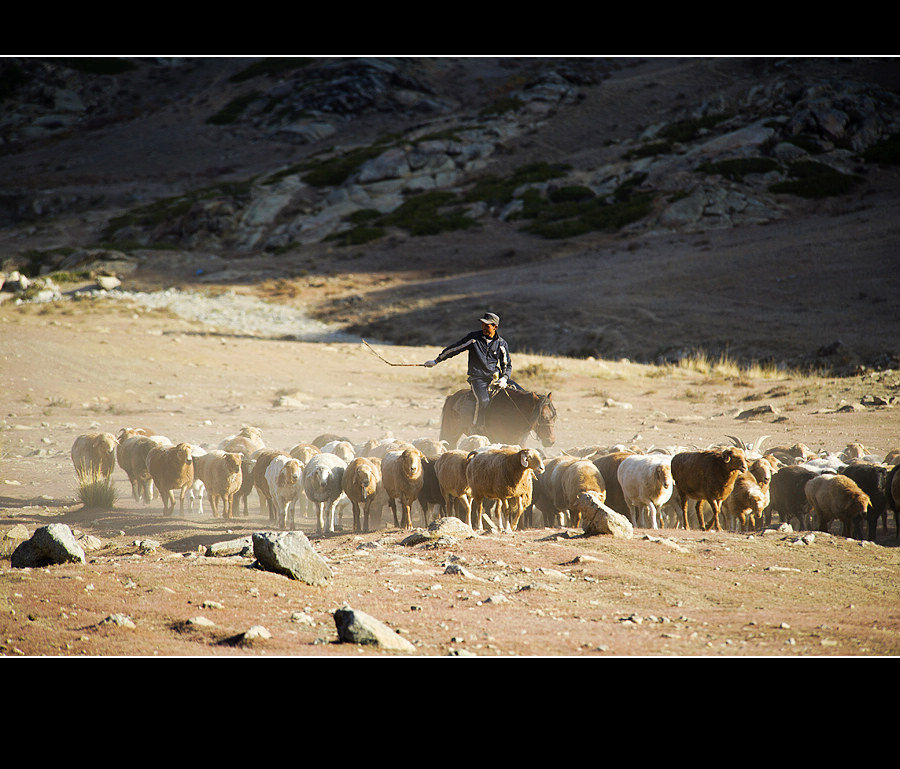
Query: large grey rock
(52, 544)
(290, 553)
(355, 626)
(607, 521)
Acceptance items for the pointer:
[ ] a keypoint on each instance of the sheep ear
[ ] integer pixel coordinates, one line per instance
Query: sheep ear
(523, 458)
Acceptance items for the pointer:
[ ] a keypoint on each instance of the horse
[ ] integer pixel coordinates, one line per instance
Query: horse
(511, 417)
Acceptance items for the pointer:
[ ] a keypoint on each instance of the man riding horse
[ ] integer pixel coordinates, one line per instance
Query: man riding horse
(489, 363)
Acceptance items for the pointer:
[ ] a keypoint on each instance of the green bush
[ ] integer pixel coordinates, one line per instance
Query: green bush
(815, 180)
(96, 492)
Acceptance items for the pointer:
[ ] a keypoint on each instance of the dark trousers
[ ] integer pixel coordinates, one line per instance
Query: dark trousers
(483, 396)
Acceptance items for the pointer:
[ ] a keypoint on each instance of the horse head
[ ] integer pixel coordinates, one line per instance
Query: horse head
(546, 420)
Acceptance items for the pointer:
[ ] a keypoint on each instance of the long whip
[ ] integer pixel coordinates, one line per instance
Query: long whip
(377, 355)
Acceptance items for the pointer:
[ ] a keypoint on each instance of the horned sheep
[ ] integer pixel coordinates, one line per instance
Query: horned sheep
(504, 474)
(837, 496)
(706, 476)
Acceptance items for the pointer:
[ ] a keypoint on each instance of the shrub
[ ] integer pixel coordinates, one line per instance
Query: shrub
(96, 492)
(815, 180)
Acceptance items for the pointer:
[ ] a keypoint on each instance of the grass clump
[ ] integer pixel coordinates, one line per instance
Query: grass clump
(684, 131)
(335, 171)
(96, 491)
(429, 213)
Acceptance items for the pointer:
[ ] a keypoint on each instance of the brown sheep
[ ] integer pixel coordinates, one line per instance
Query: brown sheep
(837, 496)
(787, 495)
(608, 465)
(892, 494)
(706, 476)
(247, 442)
(573, 484)
(131, 454)
(222, 476)
(450, 468)
(361, 483)
(403, 478)
(94, 455)
(506, 475)
(746, 502)
(172, 469)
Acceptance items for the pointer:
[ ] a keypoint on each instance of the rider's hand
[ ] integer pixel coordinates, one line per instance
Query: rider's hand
(501, 382)
(430, 363)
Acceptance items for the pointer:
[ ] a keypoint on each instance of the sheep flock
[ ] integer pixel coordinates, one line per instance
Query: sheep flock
(734, 486)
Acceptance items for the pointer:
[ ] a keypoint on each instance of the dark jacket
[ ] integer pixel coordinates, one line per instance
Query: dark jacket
(488, 358)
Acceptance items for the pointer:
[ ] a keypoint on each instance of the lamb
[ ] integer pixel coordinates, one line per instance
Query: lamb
(646, 483)
(837, 496)
(131, 454)
(221, 474)
(871, 478)
(361, 484)
(706, 476)
(788, 496)
(94, 455)
(579, 488)
(745, 504)
(450, 468)
(503, 474)
(322, 480)
(403, 480)
(172, 469)
(284, 475)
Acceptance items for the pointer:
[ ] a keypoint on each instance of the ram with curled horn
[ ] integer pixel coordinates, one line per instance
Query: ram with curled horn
(752, 450)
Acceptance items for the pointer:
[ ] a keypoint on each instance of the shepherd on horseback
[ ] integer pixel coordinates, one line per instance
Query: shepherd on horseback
(490, 365)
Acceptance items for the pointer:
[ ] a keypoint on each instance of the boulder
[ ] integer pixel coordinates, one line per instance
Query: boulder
(290, 553)
(49, 545)
(605, 520)
(354, 626)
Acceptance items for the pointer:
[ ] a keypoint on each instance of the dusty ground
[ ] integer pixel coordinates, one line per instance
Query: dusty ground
(74, 368)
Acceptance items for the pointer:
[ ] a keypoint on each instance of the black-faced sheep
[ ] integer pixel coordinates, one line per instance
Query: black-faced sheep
(837, 496)
(505, 475)
(284, 476)
(322, 479)
(871, 478)
(403, 478)
(172, 469)
(706, 476)
(221, 474)
(361, 483)
(646, 483)
(94, 455)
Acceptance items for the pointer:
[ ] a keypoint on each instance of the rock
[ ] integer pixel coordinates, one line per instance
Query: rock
(242, 546)
(120, 620)
(757, 412)
(52, 544)
(607, 521)
(290, 553)
(108, 282)
(355, 626)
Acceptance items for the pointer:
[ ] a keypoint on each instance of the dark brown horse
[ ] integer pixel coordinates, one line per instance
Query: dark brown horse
(512, 415)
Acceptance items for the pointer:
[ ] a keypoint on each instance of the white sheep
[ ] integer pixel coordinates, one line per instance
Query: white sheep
(248, 441)
(94, 455)
(646, 483)
(197, 489)
(261, 460)
(506, 475)
(403, 478)
(430, 447)
(469, 443)
(284, 475)
(322, 479)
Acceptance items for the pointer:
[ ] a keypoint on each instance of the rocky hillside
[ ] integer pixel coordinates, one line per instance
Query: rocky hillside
(641, 208)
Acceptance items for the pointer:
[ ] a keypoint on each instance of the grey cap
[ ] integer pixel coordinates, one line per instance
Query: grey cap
(491, 318)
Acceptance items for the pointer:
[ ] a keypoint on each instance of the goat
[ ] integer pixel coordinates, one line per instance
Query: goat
(94, 455)
(403, 479)
(646, 483)
(706, 476)
(837, 496)
(172, 469)
(503, 474)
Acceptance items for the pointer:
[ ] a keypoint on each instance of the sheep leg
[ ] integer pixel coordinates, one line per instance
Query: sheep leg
(354, 505)
(714, 522)
(331, 511)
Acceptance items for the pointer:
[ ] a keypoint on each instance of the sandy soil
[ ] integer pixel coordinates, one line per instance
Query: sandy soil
(73, 368)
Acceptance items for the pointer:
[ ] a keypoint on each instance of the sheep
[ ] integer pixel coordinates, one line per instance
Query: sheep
(503, 474)
(221, 474)
(322, 480)
(608, 465)
(197, 489)
(284, 476)
(430, 494)
(790, 455)
(304, 452)
(247, 485)
(131, 454)
(543, 490)
(787, 496)
(342, 449)
(450, 468)
(837, 496)
(172, 469)
(469, 443)
(578, 489)
(431, 447)
(744, 505)
(361, 484)
(321, 440)
(892, 457)
(403, 479)
(871, 478)
(248, 441)
(94, 455)
(892, 494)
(261, 460)
(646, 483)
(706, 476)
